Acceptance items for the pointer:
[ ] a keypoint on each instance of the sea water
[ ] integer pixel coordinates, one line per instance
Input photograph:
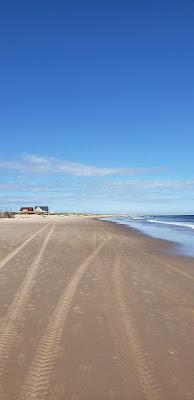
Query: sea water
(176, 228)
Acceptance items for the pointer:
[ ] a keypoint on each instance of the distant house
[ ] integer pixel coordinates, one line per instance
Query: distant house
(41, 209)
(26, 210)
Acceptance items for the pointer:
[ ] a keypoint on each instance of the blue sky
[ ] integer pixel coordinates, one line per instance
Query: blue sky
(97, 105)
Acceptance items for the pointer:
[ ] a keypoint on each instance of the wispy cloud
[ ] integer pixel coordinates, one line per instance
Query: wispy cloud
(102, 187)
(34, 163)
(22, 186)
(34, 179)
(154, 184)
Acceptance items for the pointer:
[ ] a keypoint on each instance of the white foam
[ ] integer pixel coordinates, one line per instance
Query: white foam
(183, 224)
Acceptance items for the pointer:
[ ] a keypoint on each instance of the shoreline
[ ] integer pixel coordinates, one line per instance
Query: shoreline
(166, 246)
(176, 245)
(163, 248)
(162, 243)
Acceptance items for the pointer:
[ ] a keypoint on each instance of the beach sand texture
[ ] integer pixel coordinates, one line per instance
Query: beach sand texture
(91, 310)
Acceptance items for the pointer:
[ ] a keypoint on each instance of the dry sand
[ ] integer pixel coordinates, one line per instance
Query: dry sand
(91, 310)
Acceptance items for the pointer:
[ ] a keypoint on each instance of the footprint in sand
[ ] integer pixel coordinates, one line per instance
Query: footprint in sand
(3, 393)
(77, 327)
(21, 359)
(77, 310)
(86, 367)
(112, 393)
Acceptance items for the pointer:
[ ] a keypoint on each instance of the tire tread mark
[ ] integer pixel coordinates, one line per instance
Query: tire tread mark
(9, 257)
(9, 325)
(117, 332)
(145, 376)
(157, 260)
(37, 381)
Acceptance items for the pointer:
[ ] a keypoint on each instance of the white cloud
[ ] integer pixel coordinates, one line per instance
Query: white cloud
(155, 184)
(93, 187)
(34, 163)
(76, 183)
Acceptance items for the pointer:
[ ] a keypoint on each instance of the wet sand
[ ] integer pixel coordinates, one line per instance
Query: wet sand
(92, 310)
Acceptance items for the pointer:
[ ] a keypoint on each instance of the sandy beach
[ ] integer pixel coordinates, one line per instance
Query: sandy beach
(92, 310)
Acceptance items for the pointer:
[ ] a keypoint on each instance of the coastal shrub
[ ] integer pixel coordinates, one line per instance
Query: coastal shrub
(6, 214)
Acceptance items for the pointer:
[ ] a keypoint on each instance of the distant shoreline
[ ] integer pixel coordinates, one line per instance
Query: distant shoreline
(178, 233)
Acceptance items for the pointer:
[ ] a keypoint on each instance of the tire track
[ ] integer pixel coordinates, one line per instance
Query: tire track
(172, 291)
(16, 251)
(145, 376)
(9, 326)
(170, 266)
(147, 381)
(37, 381)
(157, 260)
(120, 342)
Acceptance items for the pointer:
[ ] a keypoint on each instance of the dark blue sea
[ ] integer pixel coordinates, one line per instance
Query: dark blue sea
(177, 228)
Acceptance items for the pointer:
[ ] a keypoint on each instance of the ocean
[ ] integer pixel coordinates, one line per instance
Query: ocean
(178, 229)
